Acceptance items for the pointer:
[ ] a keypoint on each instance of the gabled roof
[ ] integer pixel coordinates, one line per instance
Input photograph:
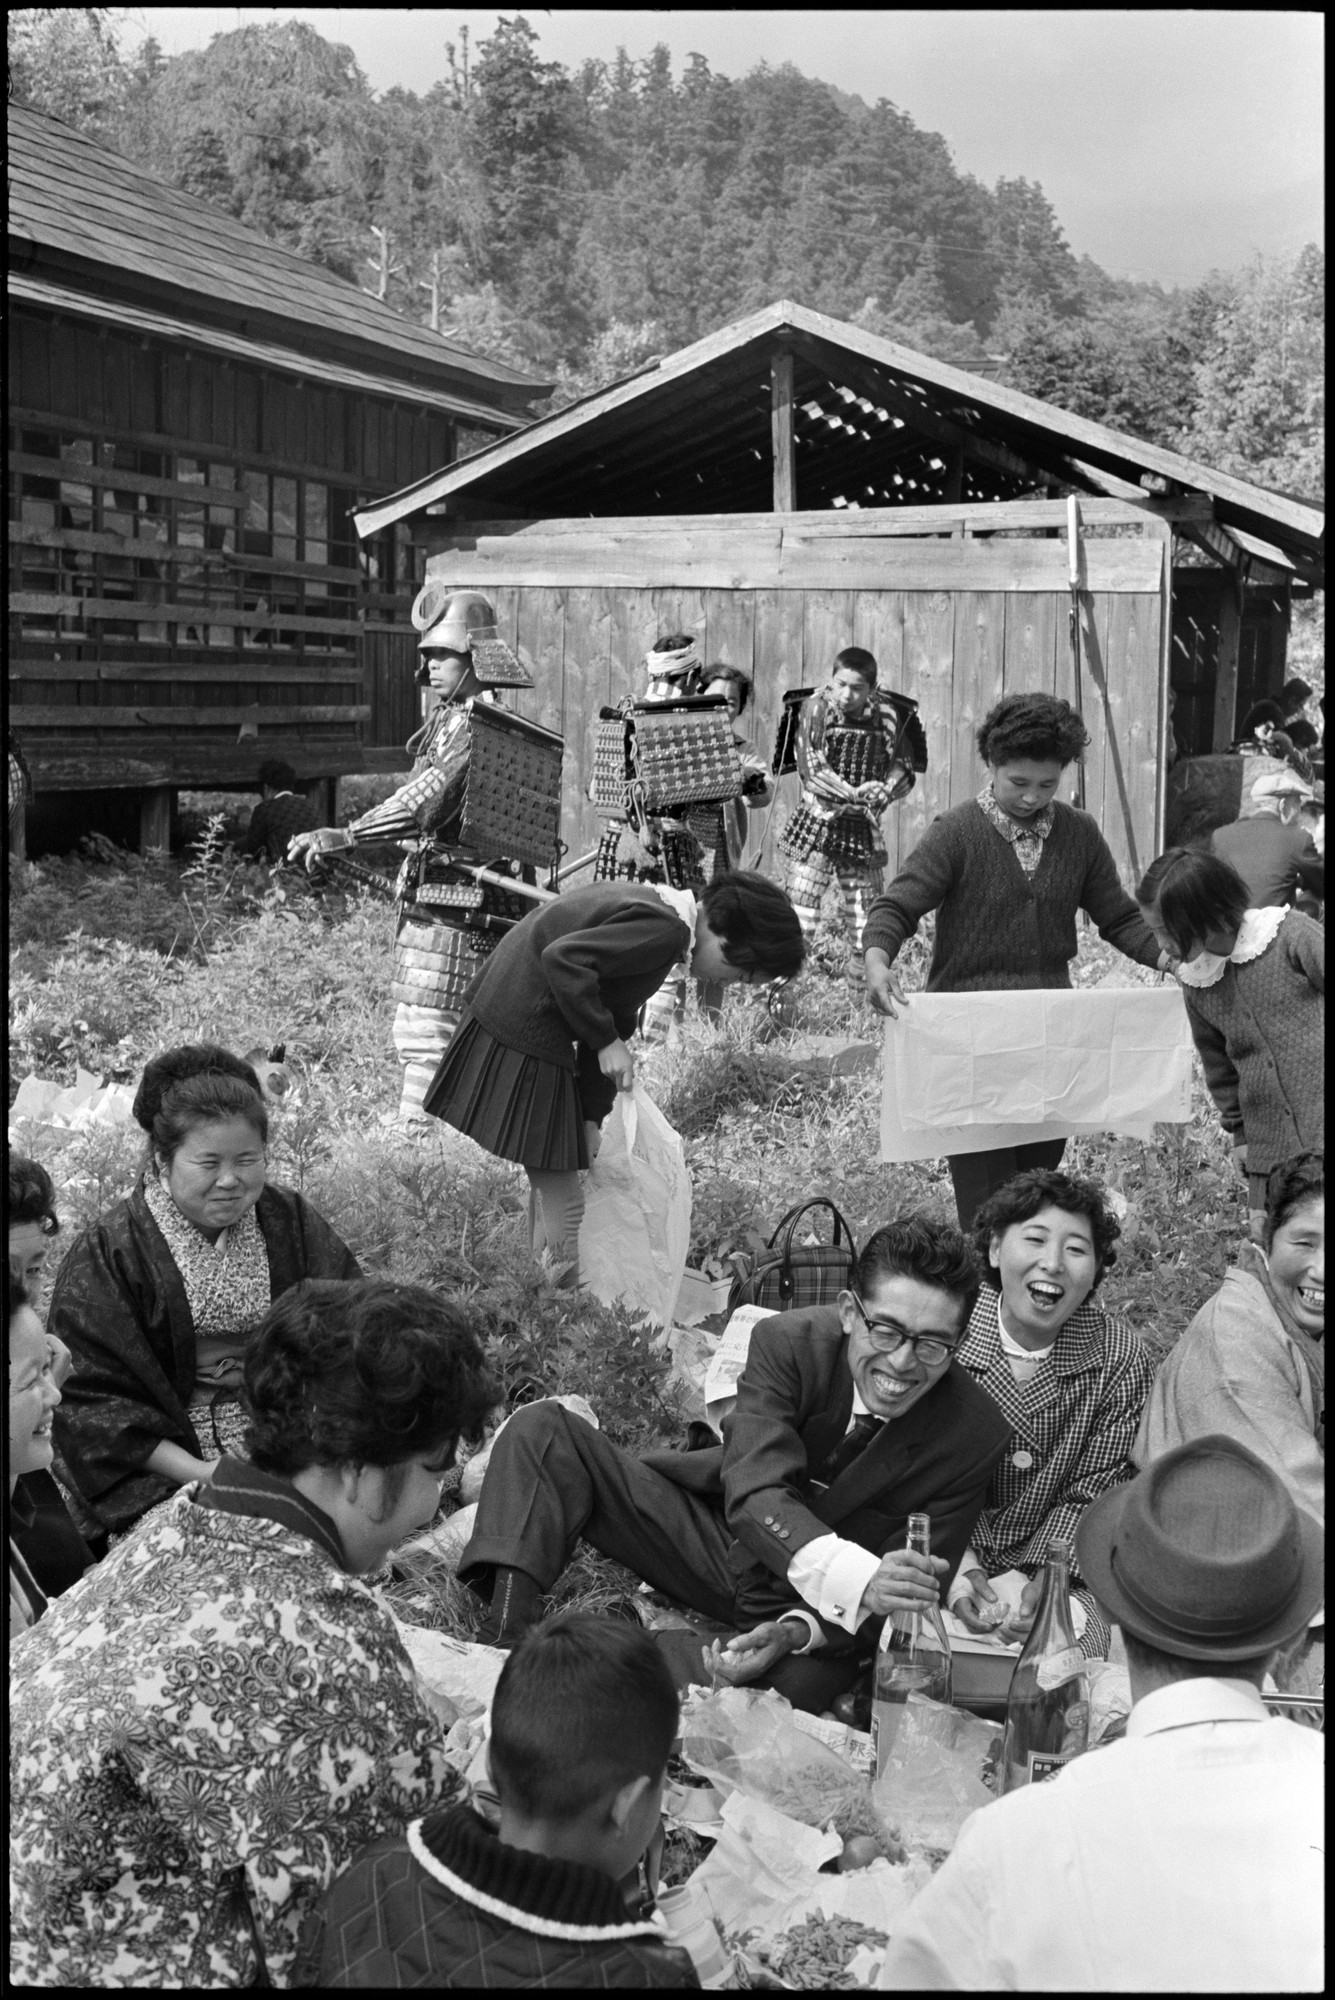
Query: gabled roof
(876, 425)
(87, 218)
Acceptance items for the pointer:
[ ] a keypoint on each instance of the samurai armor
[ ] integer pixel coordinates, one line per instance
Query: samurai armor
(849, 837)
(906, 740)
(858, 752)
(675, 754)
(512, 802)
(434, 965)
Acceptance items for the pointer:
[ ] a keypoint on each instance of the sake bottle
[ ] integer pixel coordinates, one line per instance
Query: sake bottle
(1047, 1708)
(913, 1657)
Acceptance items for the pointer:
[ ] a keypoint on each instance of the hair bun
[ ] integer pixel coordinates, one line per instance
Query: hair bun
(174, 1066)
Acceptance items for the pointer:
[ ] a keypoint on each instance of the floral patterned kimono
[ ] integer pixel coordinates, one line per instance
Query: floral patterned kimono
(203, 1731)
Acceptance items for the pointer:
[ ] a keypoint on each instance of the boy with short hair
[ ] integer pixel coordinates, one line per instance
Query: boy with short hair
(584, 1716)
(855, 757)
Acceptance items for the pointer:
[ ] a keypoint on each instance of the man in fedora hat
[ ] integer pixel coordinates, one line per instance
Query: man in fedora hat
(1188, 1857)
(1271, 849)
(437, 951)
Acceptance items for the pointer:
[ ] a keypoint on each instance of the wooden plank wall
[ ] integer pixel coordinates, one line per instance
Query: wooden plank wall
(955, 652)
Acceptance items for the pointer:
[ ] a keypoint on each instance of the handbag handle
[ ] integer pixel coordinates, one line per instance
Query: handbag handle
(794, 1216)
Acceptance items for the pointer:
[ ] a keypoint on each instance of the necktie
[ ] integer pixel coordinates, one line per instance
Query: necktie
(864, 1430)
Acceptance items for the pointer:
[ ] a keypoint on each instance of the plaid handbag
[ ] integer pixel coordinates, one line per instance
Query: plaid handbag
(787, 1278)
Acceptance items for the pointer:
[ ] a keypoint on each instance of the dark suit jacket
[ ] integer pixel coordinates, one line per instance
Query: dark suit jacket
(794, 1402)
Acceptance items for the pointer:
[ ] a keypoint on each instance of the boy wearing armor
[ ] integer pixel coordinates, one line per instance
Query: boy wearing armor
(858, 750)
(437, 950)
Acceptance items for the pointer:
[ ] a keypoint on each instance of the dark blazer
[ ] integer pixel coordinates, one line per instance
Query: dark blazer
(119, 1305)
(572, 977)
(794, 1402)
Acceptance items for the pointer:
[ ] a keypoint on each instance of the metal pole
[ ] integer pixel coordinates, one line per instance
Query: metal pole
(1073, 577)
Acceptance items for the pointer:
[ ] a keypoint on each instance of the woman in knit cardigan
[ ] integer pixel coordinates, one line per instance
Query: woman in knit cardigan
(538, 1058)
(1006, 873)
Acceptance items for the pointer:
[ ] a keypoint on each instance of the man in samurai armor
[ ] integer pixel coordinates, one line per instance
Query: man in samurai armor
(446, 928)
(858, 749)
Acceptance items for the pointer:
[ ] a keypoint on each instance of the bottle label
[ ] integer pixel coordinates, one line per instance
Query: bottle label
(1044, 1764)
(1059, 1667)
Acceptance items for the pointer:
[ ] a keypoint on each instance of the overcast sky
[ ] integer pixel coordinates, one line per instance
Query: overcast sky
(1167, 140)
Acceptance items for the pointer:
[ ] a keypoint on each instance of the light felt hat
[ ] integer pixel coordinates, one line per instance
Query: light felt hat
(1204, 1554)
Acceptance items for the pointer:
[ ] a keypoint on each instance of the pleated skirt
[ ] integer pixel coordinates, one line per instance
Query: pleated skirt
(513, 1105)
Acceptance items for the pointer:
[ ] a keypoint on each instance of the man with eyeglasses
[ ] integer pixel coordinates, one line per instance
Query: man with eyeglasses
(791, 1532)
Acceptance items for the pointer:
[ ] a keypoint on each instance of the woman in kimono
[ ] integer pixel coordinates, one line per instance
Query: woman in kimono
(208, 1726)
(157, 1300)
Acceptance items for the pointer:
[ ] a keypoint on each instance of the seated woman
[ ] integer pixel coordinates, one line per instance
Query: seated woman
(157, 1299)
(208, 1726)
(538, 1058)
(1071, 1378)
(1252, 1362)
(33, 1395)
(48, 1523)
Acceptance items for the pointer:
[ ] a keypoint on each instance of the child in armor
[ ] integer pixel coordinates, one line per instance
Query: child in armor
(853, 765)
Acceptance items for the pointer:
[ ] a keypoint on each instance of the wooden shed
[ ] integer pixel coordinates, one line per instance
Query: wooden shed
(194, 414)
(791, 485)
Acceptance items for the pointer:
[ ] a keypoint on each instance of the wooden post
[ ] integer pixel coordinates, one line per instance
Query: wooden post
(1226, 674)
(781, 433)
(323, 795)
(156, 803)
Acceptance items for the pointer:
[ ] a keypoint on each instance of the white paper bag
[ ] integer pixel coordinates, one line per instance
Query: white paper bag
(970, 1072)
(637, 1210)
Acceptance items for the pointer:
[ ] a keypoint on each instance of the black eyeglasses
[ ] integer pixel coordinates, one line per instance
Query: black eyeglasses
(888, 1337)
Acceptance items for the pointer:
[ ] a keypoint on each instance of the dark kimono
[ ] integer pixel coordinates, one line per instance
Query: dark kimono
(119, 1304)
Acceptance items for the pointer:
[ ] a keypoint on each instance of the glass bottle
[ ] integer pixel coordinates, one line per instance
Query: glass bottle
(1047, 1708)
(913, 1657)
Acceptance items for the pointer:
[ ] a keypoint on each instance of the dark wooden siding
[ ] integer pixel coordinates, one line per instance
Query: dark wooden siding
(181, 539)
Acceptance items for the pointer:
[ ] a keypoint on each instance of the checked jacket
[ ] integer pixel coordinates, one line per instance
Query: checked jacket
(1077, 1418)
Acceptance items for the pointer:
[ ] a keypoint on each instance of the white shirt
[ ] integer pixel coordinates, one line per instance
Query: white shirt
(830, 1573)
(1188, 1858)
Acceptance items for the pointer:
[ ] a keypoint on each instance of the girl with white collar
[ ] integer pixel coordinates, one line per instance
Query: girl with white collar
(1254, 981)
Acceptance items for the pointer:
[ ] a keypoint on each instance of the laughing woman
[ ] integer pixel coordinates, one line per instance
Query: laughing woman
(1071, 1378)
(157, 1300)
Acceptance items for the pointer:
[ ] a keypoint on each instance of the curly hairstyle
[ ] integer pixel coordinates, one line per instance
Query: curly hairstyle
(277, 775)
(31, 1196)
(918, 1246)
(758, 924)
(583, 1706)
(1037, 726)
(1288, 1187)
(362, 1371)
(741, 681)
(193, 1085)
(1258, 715)
(1021, 1198)
(1196, 892)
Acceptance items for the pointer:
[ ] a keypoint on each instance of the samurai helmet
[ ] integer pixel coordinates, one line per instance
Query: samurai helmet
(462, 621)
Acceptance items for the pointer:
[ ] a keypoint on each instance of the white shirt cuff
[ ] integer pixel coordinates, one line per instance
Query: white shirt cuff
(831, 1574)
(815, 1636)
(961, 1586)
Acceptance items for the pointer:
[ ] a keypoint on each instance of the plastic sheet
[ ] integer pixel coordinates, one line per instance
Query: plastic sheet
(637, 1211)
(934, 1777)
(746, 1740)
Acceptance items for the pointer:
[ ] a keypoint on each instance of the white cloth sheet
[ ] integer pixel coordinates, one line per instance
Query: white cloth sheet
(971, 1072)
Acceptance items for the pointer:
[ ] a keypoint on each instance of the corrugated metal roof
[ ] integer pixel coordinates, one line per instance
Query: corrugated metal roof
(875, 423)
(76, 200)
(265, 354)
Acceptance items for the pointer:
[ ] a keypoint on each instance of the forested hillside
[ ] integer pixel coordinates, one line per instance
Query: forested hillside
(581, 223)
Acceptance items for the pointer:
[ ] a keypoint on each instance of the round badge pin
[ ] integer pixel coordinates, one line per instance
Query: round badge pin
(1022, 1460)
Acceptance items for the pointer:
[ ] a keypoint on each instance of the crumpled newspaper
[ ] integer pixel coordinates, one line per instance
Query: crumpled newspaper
(763, 1875)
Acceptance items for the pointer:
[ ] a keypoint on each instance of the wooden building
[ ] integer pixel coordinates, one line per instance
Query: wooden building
(791, 485)
(194, 414)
